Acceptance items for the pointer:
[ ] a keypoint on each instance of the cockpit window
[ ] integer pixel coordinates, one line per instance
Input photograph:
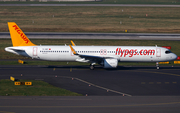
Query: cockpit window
(168, 51)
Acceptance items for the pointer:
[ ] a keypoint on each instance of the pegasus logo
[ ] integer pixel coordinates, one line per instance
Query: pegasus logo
(23, 36)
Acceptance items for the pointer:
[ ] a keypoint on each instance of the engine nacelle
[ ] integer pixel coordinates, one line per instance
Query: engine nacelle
(110, 63)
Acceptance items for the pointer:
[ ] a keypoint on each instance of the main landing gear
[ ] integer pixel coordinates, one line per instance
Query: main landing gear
(92, 66)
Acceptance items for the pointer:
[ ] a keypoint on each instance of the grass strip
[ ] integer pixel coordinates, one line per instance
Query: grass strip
(92, 19)
(171, 2)
(39, 88)
(49, 63)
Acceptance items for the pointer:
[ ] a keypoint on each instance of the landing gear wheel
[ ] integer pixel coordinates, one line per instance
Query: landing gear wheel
(91, 67)
(157, 65)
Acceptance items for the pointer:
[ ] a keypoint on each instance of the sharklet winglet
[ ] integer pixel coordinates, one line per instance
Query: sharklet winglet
(74, 52)
(73, 43)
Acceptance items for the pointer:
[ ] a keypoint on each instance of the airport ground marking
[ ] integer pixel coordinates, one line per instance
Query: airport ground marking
(151, 82)
(132, 105)
(158, 82)
(97, 86)
(71, 69)
(160, 73)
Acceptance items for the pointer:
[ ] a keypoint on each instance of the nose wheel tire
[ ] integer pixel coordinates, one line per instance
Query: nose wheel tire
(157, 65)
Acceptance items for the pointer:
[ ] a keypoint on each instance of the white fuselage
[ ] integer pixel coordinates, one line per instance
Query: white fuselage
(121, 53)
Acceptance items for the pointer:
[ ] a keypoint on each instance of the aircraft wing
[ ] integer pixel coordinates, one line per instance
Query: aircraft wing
(90, 58)
(93, 57)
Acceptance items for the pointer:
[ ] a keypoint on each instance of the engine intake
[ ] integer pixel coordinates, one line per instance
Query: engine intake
(110, 63)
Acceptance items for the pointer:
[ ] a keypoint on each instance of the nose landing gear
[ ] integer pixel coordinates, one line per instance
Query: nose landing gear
(157, 65)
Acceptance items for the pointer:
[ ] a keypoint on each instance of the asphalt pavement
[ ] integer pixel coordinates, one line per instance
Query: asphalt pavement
(128, 81)
(127, 36)
(90, 104)
(125, 89)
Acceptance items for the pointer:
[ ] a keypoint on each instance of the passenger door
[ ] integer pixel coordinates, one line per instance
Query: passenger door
(35, 53)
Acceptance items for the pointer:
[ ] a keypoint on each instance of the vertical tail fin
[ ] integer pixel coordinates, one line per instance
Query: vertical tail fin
(17, 36)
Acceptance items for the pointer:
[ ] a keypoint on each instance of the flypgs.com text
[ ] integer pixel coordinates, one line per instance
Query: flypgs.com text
(132, 52)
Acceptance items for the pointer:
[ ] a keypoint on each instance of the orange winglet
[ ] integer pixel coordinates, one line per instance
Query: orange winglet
(74, 52)
(73, 43)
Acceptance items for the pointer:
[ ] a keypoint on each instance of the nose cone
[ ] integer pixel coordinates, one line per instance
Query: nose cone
(174, 56)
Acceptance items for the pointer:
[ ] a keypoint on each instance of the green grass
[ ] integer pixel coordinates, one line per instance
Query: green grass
(49, 63)
(39, 62)
(172, 2)
(39, 88)
(92, 19)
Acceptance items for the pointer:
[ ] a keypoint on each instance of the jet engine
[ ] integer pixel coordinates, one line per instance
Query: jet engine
(110, 63)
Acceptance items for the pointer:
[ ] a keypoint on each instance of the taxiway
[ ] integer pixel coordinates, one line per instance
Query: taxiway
(125, 89)
(127, 36)
(130, 81)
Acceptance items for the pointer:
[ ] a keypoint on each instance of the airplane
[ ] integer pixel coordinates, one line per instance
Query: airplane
(107, 56)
